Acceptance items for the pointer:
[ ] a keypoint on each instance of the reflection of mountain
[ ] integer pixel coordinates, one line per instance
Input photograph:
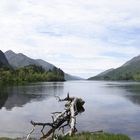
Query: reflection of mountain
(3, 98)
(21, 95)
(135, 99)
(18, 100)
(133, 91)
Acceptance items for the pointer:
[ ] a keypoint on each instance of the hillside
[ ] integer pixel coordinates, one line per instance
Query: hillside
(105, 72)
(44, 64)
(19, 60)
(128, 71)
(30, 73)
(3, 61)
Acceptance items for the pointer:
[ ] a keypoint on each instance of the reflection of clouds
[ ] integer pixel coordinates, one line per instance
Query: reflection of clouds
(18, 119)
(106, 108)
(26, 103)
(109, 108)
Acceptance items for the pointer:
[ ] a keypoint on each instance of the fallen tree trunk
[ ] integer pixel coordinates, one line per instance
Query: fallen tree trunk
(67, 118)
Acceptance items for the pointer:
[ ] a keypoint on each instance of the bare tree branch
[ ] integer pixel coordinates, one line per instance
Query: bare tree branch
(62, 119)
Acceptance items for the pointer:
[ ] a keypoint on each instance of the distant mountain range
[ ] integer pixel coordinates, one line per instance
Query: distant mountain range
(18, 60)
(72, 77)
(128, 71)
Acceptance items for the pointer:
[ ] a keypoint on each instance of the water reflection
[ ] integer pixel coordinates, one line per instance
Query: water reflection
(131, 90)
(3, 97)
(134, 91)
(109, 106)
(18, 96)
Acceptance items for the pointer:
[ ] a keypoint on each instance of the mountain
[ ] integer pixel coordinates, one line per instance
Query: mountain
(3, 61)
(45, 64)
(105, 72)
(132, 61)
(71, 77)
(18, 60)
(128, 71)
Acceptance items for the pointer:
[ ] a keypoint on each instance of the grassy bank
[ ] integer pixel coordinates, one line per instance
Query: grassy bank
(15, 139)
(94, 136)
(89, 136)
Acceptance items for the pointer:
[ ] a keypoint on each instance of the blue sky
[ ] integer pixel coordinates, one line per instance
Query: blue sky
(82, 37)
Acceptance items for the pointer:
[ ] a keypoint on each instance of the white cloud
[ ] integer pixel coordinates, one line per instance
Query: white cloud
(82, 37)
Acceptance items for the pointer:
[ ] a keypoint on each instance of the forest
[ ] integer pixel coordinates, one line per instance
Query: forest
(31, 73)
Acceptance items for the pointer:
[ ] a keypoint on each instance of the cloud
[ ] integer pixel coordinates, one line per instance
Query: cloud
(81, 37)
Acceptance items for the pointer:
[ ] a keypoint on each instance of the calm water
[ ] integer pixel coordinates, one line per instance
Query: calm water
(110, 106)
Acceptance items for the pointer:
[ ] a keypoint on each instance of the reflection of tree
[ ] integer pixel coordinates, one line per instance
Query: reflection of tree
(15, 96)
(3, 97)
(18, 100)
(134, 89)
(20, 95)
(134, 99)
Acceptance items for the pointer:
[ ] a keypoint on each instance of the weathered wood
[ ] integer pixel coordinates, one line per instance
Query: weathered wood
(62, 119)
(73, 110)
(28, 136)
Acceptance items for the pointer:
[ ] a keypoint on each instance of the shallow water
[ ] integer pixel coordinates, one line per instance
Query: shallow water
(110, 106)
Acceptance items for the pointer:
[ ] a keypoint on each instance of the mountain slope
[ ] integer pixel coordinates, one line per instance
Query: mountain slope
(132, 61)
(3, 60)
(129, 71)
(45, 64)
(18, 60)
(105, 72)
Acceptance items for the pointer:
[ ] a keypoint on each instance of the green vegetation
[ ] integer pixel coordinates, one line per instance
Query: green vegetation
(5, 139)
(94, 136)
(15, 138)
(89, 136)
(31, 73)
(129, 72)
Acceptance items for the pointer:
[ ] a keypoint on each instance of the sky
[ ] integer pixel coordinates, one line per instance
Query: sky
(82, 37)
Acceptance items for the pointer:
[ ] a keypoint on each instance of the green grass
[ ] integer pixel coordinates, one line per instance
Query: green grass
(88, 136)
(96, 136)
(5, 139)
(14, 139)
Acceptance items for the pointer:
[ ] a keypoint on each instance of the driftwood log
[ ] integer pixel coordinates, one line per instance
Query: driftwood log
(73, 107)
